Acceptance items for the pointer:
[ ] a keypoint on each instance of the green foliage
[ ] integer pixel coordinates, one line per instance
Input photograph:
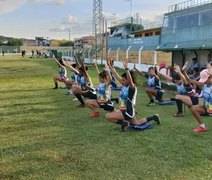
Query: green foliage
(14, 42)
(10, 41)
(44, 136)
(67, 43)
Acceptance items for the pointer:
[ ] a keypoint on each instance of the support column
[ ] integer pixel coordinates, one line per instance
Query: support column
(127, 52)
(139, 54)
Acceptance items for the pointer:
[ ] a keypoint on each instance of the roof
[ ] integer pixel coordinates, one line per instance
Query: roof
(147, 30)
(88, 38)
(186, 45)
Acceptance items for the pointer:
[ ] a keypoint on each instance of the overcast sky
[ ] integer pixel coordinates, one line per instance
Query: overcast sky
(52, 18)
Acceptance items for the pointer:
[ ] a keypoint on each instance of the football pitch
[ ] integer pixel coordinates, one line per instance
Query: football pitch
(44, 136)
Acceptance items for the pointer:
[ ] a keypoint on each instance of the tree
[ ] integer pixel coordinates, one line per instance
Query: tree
(67, 43)
(14, 42)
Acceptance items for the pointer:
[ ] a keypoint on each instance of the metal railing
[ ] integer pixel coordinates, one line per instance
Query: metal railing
(188, 4)
(126, 21)
(153, 25)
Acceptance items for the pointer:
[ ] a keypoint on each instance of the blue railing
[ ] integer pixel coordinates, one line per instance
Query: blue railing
(187, 4)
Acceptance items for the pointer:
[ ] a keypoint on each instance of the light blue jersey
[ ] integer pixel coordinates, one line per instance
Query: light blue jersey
(206, 94)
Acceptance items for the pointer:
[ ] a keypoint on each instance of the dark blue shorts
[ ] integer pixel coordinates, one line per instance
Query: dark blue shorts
(108, 106)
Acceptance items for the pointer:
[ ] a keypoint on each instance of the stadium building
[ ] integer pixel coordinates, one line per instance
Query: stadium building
(185, 33)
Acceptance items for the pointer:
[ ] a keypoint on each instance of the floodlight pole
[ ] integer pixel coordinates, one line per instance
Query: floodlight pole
(106, 38)
(97, 22)
(69, 34)
(130, 8)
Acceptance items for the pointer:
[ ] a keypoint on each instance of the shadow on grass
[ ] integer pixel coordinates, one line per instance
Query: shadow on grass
(25, 90)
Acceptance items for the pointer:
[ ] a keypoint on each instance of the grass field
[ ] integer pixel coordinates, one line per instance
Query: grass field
(43, 135)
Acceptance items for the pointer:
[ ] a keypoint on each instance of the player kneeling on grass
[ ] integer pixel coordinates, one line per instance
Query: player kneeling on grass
(62, 73)
(154, 88)
(126, 113)
(103, 93)
(84, 86)
(186, 93)
(204, 107)
(73, 75)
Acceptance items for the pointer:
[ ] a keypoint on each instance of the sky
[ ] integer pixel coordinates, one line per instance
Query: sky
(54, 18)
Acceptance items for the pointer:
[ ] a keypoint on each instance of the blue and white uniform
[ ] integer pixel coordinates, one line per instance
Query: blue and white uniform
(104, 96)
(63, 73)
(103, 93)
(186, 90)
(206, 94)
(153, 82)
(87, 88)
(128, 101)
(74, 76)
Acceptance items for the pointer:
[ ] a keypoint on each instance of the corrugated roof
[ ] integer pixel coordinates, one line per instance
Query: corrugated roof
(187, 45)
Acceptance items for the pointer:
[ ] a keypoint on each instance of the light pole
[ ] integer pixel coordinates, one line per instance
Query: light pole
(131, 16)
(69, 34)
(130, 8)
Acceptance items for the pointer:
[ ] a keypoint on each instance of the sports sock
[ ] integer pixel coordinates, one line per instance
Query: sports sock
(79, 97)
(120, 122)
(179, 106)
(150, 118)
(151, 100)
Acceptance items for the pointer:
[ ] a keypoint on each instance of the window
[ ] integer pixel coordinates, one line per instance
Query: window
(168, 22)
(206, 17)
(186, 21)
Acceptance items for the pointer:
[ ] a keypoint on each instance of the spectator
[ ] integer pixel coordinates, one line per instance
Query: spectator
(195, 75)
(193, 65)
(37, 54)
(33, 53)
(209, 57)
(23, 52)
(208, 61)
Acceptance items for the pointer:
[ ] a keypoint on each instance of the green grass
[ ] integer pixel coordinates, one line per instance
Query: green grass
(43, 135)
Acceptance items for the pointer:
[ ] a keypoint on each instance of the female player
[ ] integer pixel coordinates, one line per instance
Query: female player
(103, 93)
(126, 113)
(186, 94)
(73, 76)
(204, 106)
(84, 86)
(154, 88)
(62, 73)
